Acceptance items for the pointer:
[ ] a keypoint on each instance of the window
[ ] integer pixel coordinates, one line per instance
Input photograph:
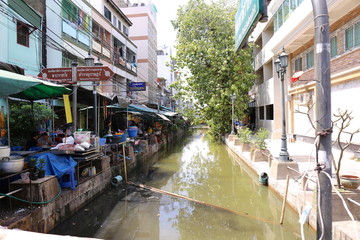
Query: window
(284, 11)
(125, 30)
(107, 13)
(310, 59)
(115, 21)
(261, 113)
(22, 34)
(269, 112)
(298, 64)
(333, 47)
(352, 36)
(349, 37)
(119, 25)
(73, 14)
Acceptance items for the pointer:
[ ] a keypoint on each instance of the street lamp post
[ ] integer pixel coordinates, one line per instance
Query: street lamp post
(280, 65)
(233, 97)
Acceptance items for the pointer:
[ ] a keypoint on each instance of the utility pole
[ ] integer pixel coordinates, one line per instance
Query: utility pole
(74, 95)
(323, 117)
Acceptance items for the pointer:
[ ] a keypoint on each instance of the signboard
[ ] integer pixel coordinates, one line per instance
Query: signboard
(61, 74)
(98, 73)
(246, 18)
(137, 86)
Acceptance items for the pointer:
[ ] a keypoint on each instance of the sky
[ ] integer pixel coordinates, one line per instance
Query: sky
(166, 12)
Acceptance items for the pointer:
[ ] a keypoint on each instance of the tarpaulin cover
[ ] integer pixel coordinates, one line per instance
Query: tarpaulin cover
(55, 164)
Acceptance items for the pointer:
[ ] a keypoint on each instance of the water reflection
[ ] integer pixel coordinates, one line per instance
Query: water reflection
(198, 169)
(204, 171)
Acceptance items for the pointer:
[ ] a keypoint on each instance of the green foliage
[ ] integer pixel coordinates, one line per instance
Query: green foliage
(245, 135)
(25, 119)
(260, 136)
(42, 163)
(208, 67)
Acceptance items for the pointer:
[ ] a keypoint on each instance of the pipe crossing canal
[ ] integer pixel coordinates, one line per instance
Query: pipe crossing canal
(197, 190)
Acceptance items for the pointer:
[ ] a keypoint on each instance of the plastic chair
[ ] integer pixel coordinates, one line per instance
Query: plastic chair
(68, 179)
(37, 149)
(16, 148)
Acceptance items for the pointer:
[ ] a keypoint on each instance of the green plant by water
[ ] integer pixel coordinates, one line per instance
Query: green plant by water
(245, 135)
(260, 136)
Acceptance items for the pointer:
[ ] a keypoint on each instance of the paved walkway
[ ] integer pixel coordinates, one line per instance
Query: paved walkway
(304, 155)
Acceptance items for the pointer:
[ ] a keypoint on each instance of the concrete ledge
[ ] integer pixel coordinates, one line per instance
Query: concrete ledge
(280, 169)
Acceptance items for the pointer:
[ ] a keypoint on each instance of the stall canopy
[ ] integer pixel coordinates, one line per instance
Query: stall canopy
(29, 88)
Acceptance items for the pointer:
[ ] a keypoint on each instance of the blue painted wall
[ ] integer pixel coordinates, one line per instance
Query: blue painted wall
(28, 58)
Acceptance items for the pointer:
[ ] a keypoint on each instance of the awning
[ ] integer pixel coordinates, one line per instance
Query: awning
(144, 108)
(29, 88)
(163, 117)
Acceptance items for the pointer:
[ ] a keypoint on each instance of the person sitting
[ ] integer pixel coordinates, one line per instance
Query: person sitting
(33, 141)
(44, 140)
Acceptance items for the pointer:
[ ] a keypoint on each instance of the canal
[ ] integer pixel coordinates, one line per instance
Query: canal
(237, 207)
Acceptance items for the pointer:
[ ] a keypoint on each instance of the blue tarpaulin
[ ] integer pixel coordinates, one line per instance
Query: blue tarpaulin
(55, 164)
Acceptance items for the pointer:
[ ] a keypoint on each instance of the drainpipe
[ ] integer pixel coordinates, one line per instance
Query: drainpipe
(323, 117)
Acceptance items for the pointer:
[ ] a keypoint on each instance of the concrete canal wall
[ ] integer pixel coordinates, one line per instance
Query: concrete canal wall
(45, 217)
(298, 196)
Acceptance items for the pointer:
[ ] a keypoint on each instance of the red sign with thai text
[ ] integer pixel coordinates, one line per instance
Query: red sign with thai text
(61, 74)
(97, 73)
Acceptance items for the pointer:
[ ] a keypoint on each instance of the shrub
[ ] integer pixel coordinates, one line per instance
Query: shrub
(260, 136)
(245, 135)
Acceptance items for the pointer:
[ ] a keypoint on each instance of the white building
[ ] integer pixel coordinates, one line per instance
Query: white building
(144, 35)
(291, 26)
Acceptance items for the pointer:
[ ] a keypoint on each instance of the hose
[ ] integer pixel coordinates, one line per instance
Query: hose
(26, 201)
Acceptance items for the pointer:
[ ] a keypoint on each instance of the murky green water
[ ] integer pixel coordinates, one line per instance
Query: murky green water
(199, 170)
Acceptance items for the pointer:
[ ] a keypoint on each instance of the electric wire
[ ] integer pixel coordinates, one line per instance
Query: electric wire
(319, 208)
(14, 16)
(62, 47)
(345, 205)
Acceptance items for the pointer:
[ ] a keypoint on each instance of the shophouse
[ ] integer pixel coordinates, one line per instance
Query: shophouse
(21, 35)
(290, 26)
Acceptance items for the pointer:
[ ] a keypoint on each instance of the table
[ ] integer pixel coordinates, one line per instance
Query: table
(22, 153)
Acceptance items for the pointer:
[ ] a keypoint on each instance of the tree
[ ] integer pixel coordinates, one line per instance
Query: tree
(25, 118)
(209, 68)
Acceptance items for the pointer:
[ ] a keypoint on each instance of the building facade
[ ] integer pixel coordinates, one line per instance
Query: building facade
(22, 34)
(291, 26)
(144, 35)
(167, 75)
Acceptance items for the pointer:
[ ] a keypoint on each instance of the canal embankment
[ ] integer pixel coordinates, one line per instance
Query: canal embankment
(58, 203)
(302, 184)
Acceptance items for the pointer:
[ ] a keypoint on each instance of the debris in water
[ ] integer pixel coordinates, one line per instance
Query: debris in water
(20, 210)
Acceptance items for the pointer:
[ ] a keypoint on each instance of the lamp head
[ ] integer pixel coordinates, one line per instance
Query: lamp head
(99, 63)
(284, 58)
(89, 60)
(233, 96)
(277, 65)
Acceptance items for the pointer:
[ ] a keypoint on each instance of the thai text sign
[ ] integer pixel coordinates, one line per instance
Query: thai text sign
(137, 86)
(61, 74)
(246, 17)
(101, 73)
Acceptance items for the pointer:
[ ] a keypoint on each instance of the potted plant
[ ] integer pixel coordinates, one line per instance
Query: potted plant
(41, 166)
(245, 137)
(259, 152)
(34, 171)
